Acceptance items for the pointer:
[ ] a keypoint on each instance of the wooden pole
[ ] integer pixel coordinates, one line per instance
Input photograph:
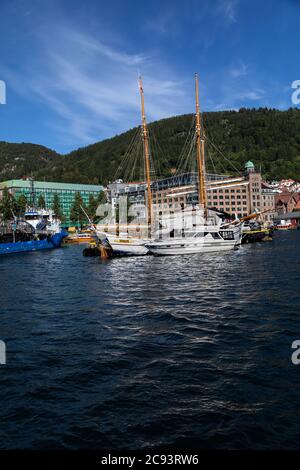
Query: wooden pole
(200, 153)
(146, 157)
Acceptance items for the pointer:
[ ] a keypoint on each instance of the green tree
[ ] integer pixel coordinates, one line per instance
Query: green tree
(21, 203)
(76, 214)
(92, 206)
(56, 207)
(101, 199)
(8, 205)
(41, 202)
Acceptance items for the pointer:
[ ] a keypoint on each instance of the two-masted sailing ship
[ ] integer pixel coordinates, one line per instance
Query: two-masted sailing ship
(195, 229)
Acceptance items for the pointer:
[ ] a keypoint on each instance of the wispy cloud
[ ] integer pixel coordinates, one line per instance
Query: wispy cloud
(92, 87)
(252, 95)
(229, 9)
(239, 70)
(77, 71)
(91, 44)
(239, 87)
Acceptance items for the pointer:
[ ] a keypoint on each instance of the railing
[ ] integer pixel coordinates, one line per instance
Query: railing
(10, 227)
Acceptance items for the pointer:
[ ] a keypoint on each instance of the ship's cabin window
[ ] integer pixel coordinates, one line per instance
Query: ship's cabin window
(188, 233)
(32, 217)
(215, 235)
(227, 235)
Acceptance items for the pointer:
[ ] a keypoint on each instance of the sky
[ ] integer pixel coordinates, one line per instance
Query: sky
(71, 68)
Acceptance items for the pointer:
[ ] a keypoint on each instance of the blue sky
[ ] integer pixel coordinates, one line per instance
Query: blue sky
(71, 67)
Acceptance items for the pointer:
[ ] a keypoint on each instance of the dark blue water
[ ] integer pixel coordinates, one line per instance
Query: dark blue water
(141, 352)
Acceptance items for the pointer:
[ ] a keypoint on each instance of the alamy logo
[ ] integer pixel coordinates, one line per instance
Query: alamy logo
(296, 354)
(296, 93)
(2, 92)
(2, 353)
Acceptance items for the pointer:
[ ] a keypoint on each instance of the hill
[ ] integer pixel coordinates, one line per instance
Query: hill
(268, 137)
(18, 160)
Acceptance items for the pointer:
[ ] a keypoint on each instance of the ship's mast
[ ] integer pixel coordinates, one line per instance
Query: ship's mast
(32, 192)
(146, 157)
(200, 153)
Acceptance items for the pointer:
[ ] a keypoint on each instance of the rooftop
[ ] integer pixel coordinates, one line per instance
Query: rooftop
(249, 165)
(289, 215)
(50, 185)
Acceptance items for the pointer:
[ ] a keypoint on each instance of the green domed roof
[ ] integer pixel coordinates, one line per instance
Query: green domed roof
(249, 165)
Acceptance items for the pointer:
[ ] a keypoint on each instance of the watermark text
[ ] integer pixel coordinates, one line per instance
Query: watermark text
(2, 353)
(296, 93)
(296, 354)
(2, 92)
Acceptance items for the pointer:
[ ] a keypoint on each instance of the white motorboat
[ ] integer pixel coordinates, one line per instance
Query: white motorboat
(190, 232)
(205, 239)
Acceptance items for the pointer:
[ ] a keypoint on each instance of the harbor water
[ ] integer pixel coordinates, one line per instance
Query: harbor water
(186, 351)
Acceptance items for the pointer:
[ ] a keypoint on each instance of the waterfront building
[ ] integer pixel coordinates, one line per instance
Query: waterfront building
(268, 203)
(65, 191)
(239, 195)
(286, 201)
(288, 219)
(168, 193)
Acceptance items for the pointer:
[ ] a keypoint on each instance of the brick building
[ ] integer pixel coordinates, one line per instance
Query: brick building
(234, 195)
(239, 195)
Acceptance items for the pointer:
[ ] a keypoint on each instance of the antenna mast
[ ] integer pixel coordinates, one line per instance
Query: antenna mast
(32, 192)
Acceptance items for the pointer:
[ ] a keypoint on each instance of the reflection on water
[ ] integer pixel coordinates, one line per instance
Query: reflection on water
(136, 352)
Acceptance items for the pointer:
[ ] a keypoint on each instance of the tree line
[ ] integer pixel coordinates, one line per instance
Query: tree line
(268, 137)
(12, 206)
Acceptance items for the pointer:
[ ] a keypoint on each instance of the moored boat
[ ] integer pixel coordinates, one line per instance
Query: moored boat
(127, 245)
(205, 240)
(124, 243)
(80, 237)
(48, 242)
(201, 230)
(39, 230)
(285, 225)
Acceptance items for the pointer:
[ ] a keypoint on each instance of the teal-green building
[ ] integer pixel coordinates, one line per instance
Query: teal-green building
(65, 191)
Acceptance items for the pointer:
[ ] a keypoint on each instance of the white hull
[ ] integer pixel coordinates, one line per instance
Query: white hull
(184, 248)
(130, 248)
(213, 241)
(127, 245)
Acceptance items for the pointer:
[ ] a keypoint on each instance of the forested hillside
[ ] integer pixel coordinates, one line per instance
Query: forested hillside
(268, 137)
(18, 160)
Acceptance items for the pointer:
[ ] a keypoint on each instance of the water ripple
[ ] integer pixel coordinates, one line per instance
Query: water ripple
(141, 352)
